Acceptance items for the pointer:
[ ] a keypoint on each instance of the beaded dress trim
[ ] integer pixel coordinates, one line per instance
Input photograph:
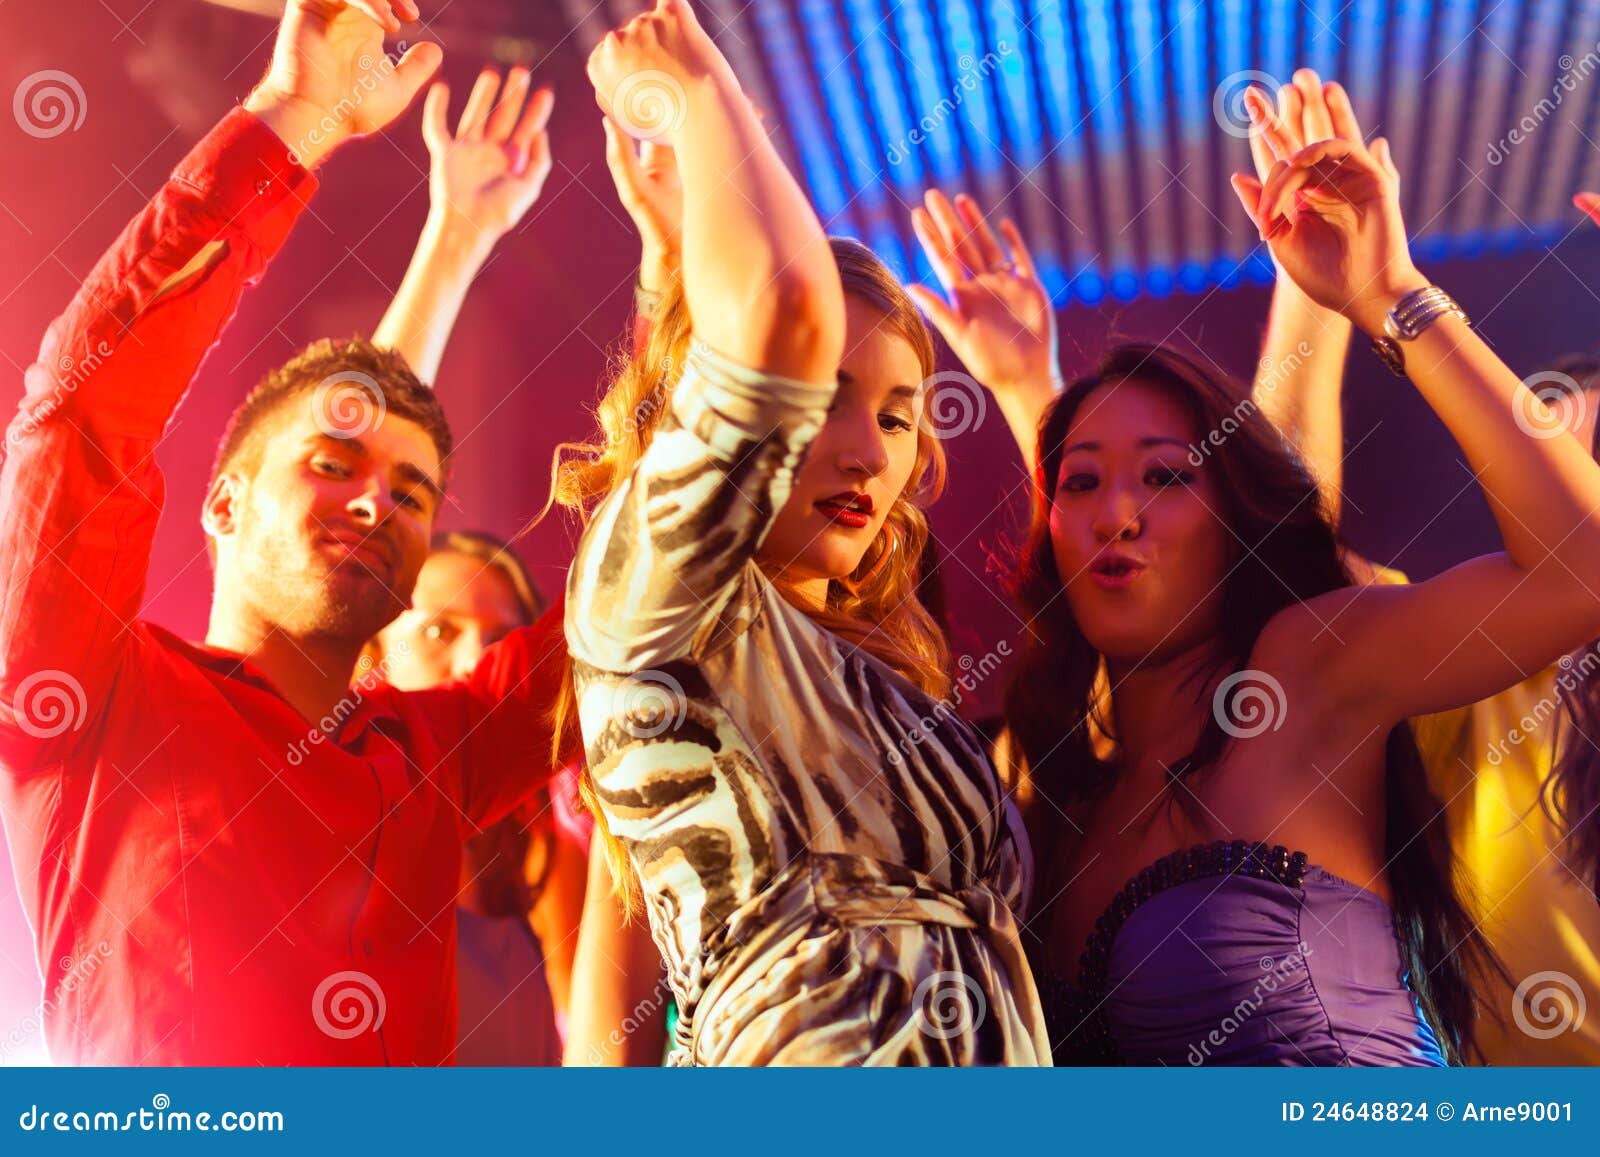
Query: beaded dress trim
(1081, 1007)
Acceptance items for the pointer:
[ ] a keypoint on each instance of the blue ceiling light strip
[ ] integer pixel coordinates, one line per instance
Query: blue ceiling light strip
(1544, 95)
(1063, 118)
(799, 114)
(1551, 149)
(1167, 148)
(970, 60)
(967, 60)
(1277, 53)
(1017, 70)
(1364, 34)
(918, 37)
(1410, 60)
(869, 30)
(1321, 20)
(1153, 181)
(1186, 34)
(1091, 122)
(1494, 79)
(1085, 282)
(1231, 25)
(1094, 48)
(862, 155)
(1431, 176)
(1526, 85)
(1267, 57)
(1569, 152)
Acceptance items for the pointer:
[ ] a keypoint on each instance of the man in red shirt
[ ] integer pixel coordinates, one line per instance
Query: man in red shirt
(246, 851)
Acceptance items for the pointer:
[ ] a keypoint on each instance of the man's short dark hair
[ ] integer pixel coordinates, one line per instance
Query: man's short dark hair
(355, 364)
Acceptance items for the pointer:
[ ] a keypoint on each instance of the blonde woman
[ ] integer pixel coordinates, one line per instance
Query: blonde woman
(827, 859)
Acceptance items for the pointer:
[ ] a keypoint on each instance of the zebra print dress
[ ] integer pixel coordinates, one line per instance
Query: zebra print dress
(829, 863)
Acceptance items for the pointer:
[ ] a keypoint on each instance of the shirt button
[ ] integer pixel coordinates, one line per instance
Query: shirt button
(366, 947)
(263, 185)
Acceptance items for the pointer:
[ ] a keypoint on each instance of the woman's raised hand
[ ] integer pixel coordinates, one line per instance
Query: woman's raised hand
(997, 318)
(1330, 212)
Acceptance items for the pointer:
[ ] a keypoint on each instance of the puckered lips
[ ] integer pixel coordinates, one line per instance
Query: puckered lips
(1116, 570)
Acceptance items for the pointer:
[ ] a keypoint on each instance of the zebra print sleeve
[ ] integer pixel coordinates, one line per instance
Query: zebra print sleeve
(666, 549)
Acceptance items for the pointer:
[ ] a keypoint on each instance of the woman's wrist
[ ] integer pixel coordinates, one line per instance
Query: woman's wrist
(1370, 310)
(455, 239)
(1289, 296)
(657, 266)
(1038, 383)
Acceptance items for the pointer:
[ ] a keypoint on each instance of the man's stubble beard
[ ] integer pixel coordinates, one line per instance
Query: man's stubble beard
(305, 594)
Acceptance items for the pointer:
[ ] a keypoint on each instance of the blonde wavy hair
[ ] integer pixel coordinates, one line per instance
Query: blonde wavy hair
(875, 608)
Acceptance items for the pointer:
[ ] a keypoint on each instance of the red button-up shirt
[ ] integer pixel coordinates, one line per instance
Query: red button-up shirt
(210, 878)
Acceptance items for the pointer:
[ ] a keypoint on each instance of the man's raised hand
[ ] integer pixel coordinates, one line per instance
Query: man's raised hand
(330, 79)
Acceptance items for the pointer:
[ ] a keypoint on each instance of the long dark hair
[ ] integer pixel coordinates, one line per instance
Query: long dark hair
(1571, 795)
(1289, 552)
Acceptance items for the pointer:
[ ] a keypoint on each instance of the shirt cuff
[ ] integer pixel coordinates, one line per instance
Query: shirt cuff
(728, 405)
(248, 179)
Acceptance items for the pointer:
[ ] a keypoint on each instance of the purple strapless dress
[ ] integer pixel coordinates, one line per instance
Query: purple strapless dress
(1239, 954)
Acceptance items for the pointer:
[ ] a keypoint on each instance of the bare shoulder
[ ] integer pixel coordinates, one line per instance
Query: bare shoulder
(1314, 645)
